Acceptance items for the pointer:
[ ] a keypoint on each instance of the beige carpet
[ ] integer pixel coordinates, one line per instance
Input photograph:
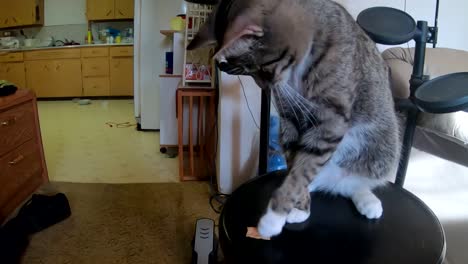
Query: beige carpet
(134, 223)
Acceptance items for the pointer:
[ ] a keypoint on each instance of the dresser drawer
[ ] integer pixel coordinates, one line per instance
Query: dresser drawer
(95, 67)
(16, 127)
(11, 57)
(67, 53)
(94, 52)
(96, 86)
(20, 169)
(121, 51)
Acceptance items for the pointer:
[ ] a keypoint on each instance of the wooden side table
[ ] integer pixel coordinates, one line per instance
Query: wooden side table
(201, 150)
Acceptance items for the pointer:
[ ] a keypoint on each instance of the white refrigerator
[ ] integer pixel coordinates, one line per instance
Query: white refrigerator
(150, 46)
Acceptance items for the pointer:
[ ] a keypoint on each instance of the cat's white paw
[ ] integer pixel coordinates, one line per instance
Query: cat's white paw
(368, 204)
(297, 216)
(271, 224)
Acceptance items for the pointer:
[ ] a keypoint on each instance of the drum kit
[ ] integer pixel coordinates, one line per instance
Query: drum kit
(335, 233)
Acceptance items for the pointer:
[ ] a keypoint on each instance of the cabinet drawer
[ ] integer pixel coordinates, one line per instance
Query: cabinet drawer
(94, 52)
(11, 57)
(95, 67)
(70, 53)
(19, 169)
(96, 86)
(121, 51)
(16, 127)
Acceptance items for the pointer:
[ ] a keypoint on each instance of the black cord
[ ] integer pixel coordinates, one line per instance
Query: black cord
(215, 195)
(248, 105)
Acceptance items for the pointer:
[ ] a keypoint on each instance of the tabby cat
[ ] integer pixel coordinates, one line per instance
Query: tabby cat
(331, 87)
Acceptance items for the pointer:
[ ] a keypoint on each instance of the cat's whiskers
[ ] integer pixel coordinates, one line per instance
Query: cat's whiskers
(278, 103)
(300, 104)
(289, 102)
(305, 104)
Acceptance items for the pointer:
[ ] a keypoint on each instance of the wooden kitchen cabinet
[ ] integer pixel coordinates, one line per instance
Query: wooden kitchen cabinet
(121, 71)
(12, 68)
(96, 86)
(95, 67)
(121, 76)
(55, 78)
(21, 13)
(124, 9)
(100, 9)
(109, 9)
(14, 73)
(95, 72)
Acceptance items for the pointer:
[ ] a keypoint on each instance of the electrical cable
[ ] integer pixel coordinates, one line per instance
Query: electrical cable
(248, 105)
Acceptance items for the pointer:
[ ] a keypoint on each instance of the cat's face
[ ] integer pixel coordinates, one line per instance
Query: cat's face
(254, 37)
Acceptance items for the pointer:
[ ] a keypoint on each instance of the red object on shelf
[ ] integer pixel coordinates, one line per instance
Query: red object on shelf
(194, 72)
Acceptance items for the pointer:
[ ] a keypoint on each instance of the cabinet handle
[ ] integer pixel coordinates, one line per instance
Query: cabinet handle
(14, 20)
(8, 122)
(120, 12)
(6, 21)
(16, 160)
(7, 69)
(108, 13)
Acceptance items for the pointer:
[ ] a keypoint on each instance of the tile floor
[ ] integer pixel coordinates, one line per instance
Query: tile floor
(80, 147)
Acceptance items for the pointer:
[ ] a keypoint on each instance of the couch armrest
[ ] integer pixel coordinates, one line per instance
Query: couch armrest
(400, 74)
(400, 61)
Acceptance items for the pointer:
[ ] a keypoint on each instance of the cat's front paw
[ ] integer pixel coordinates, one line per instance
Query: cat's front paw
(297, 216)
(271, 224)
(368, 205)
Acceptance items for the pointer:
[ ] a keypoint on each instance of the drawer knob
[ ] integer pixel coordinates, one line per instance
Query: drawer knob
(8, 122)
(16, 160)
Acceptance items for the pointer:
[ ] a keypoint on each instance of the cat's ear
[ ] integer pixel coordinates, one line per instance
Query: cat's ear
(242, 26)
(205, 36)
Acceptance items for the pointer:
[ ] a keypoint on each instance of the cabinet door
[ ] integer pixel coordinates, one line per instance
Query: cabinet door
(5, 13)
(124, 9)
(15, 73)
(95, 67)
(55, 78)
(96, 86)
(3, 71)
(24, 13)
(121, 76)
(100, 9)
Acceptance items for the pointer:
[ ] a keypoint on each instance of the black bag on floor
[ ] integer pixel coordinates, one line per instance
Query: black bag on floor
(39, 213)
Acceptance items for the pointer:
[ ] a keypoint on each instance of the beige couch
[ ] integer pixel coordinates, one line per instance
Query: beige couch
(443, 135)
(438, 167)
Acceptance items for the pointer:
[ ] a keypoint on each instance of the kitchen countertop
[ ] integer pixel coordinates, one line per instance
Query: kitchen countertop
(63, 47)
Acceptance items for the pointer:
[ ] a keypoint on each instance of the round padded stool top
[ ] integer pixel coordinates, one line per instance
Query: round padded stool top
(408, 232)
(386, 25)
(445, 94)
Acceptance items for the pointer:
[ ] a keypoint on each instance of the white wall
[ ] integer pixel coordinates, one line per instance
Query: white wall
(238, 147)
(64, 12)
(453, 21)
(238, 135)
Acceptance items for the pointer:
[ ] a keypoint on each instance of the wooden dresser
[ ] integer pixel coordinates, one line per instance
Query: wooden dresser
(22, 163)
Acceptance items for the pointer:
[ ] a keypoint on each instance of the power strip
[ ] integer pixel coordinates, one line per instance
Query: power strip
(204, 242)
